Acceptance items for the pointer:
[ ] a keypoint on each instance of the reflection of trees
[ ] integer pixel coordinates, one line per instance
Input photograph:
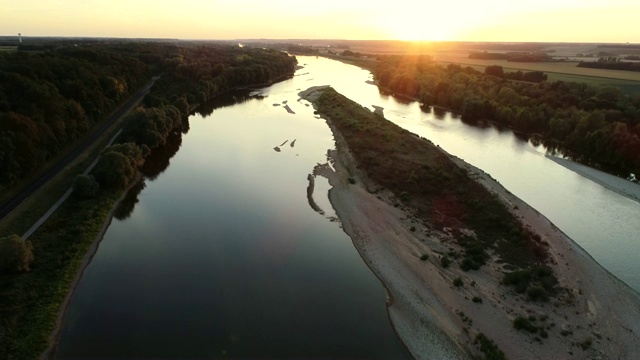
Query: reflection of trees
(125, 207)
(158, 161)
(155, 164)
(439, 112)
(229, 99)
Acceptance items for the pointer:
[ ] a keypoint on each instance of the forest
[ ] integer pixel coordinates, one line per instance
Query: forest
(52, 96)
(596, 125)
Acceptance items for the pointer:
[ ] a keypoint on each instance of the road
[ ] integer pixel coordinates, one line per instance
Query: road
(13, 202)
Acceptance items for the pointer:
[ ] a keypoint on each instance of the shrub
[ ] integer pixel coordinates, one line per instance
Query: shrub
(86, 186)
(15, 254)
(424, 257)
(477, 299)
(538, 282)
(586, 343)
(445, 262)
(489, 348)
(458, 282)
(524, 323)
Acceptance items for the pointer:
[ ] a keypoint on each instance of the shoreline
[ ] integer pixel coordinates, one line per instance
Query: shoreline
(54, 338)
(616, 184)
(596, 315)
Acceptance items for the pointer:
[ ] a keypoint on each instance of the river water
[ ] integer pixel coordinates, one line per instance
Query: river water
(219, 253)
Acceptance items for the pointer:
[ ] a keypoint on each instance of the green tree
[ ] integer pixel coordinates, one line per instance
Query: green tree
(15, 254)
(86, 186)
(114, 170)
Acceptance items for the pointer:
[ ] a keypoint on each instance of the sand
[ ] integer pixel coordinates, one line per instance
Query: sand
(623, 187)
(596, 317)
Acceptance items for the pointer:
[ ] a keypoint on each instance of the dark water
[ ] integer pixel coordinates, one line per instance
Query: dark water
(218, 253)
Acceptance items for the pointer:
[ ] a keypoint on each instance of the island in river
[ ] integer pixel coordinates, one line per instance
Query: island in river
(471, 269)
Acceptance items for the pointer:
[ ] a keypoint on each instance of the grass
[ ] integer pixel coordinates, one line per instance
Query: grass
(29, 302)
(8, 48)
(27, 213)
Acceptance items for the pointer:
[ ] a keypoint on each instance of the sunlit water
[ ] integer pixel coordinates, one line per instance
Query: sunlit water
(223, 256)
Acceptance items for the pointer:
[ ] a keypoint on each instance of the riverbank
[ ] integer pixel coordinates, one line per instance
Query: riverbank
(444, 312)
(623, 187)
(50, 352)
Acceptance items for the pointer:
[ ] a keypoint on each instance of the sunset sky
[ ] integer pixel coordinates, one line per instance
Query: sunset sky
(489, 20)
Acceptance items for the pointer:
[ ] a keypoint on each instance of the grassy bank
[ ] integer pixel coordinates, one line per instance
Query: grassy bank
(425, 179)
(30, 301)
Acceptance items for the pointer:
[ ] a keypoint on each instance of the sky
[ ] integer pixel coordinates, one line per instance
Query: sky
(454, 20)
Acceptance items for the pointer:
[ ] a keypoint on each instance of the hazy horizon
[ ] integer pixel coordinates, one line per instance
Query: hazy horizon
(585, 21)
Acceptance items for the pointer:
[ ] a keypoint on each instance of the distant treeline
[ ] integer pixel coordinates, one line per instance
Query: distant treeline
(611, 65)
(528, 76)
(299, 49)
(599, 123)
(511, 56)
(48, 99)
(620, 46)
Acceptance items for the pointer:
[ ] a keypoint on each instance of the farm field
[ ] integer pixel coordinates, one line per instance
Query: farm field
(565, 67)
(626, 86)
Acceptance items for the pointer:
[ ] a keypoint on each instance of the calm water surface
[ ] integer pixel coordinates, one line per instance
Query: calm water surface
(223, 256)
(220, 253)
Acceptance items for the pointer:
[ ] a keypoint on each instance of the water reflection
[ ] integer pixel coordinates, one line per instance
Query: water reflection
(127, 204)
(158, 161)
(228, 99)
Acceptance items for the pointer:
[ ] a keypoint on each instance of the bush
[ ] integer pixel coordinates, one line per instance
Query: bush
(477, 299)
(86, 186)
(538, 282)
(118, 165)
(445, 262)
(424, 257)
(489, 348)
(524, 323)
(458, 282)
(15, 254)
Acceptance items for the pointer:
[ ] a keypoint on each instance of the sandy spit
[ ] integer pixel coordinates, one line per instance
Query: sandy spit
(596, 316)
(623, 187)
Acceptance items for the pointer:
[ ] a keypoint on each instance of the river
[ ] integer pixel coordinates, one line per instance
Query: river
(221, 253)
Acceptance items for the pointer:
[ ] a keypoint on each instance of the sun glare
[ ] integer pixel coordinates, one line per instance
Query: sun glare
(419, 25)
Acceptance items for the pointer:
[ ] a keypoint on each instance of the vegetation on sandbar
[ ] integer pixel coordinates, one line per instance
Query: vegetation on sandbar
(442, 194)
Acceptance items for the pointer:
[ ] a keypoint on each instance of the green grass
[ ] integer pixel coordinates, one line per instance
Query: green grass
(29, 302)
(25, 215)
(8, 48)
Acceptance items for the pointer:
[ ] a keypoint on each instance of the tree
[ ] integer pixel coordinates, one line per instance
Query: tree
(15, 254)
(114, 170)
(86, 186)
(494, 70)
